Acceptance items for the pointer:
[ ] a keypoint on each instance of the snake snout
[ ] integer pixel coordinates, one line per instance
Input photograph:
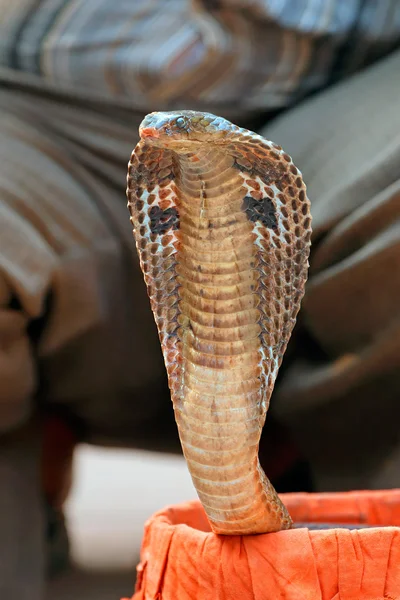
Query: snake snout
(149, 132)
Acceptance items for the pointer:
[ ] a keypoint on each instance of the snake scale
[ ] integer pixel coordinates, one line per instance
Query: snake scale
(222, 226)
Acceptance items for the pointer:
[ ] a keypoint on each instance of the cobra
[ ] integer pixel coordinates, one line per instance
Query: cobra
(222, 226)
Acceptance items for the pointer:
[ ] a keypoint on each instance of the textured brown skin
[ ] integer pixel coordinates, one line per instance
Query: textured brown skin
(222, 226)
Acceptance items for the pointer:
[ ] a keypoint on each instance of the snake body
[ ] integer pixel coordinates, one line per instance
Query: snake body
(222, 227)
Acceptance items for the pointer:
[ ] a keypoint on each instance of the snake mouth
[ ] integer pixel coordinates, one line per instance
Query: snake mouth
(166, 138)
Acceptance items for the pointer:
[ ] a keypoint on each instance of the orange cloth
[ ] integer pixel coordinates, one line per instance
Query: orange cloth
(182, 560)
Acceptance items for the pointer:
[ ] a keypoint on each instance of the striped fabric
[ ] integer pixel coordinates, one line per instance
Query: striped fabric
(226, 55)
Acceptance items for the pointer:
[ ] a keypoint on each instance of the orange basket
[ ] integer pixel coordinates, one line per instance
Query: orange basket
(182, 560)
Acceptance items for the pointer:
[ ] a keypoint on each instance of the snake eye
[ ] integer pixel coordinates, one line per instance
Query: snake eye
(180, 122)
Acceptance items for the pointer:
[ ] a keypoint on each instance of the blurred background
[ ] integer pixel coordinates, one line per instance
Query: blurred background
(88, 443)
(113, 494)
